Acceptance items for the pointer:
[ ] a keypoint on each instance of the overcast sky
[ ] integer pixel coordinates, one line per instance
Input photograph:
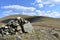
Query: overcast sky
(50, 8)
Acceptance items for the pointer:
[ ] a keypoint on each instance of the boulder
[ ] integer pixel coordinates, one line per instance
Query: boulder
(28, 27)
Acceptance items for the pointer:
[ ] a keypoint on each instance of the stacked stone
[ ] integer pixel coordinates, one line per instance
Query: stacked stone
(17, 25)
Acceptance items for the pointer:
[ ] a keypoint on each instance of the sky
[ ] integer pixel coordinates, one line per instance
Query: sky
(49, 8)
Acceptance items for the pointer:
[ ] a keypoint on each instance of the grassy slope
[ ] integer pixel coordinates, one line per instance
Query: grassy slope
(8, 18)
(36, 21)
(40, 20)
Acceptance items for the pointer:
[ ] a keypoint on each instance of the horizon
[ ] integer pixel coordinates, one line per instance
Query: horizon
(27, 15)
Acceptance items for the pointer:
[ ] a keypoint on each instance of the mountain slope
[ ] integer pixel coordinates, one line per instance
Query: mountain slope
(40, 20)
(41, 27)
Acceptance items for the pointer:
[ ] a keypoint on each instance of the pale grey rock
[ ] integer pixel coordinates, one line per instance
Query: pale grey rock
(28, 27)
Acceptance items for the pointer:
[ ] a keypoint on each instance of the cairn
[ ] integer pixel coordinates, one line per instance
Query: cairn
(17, 25)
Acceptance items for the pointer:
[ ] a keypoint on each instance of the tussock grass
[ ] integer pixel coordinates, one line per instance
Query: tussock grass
(8, 37)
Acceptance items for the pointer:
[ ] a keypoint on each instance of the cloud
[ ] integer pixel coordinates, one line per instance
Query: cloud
(18, 7)
(28, 11)
(38, 1)
(41, 3)
(48, 13)
(47, 1)
(13, 9)
(56, 0)
(30, 14)
(9, 12)
(55, 14)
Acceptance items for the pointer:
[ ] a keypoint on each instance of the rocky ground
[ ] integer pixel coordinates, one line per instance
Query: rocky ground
(39, 33)
(43, 33)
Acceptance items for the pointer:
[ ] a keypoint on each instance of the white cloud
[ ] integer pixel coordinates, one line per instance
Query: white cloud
(29, 11)
(56, 0)
(30, 14)
(22, 9)
(41, 5)
(49, 14)
(39, 13)
(38, 1)
(47, 1)
(9, 12)
(18, 7)
(6, 12)
(55, 14)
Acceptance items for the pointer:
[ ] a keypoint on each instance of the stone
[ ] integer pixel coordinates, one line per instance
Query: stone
(18, 28)
(28, 27)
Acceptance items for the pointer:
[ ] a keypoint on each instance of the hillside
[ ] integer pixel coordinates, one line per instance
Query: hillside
(8, 18)
(42, 27)
(40, 20)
